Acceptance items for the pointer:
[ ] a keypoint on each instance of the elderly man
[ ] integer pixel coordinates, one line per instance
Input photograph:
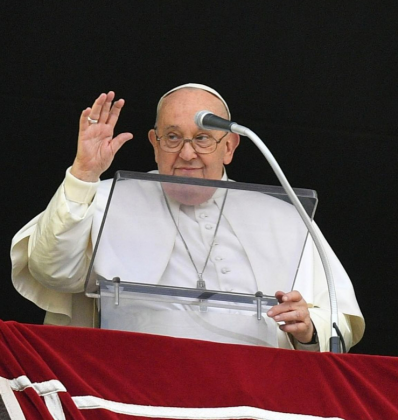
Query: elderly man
(52, 253)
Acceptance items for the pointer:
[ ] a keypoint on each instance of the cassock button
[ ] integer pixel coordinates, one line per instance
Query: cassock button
(209, 227)
(218, 258)
(225, 270)
(203, 215)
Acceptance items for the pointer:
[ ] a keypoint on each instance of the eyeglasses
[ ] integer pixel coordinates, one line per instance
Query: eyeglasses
(203, 144)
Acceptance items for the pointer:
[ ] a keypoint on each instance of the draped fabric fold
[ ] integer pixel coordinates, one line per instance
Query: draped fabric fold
(49, 372)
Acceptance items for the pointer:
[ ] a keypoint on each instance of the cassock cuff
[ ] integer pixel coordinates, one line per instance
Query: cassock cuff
(79, 191)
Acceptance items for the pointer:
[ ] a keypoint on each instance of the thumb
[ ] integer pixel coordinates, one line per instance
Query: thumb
(120, 139)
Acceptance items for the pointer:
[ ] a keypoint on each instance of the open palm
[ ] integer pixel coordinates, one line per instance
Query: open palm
(96, 145)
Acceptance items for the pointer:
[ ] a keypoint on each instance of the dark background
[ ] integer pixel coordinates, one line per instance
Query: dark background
(316, 80)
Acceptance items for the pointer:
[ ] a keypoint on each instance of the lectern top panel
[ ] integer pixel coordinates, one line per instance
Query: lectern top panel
(173, 231)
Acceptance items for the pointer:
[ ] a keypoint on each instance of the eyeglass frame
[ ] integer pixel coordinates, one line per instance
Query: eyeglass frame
(192, 143)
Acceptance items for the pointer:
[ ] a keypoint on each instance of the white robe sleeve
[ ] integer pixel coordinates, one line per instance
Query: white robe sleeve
(350, 319)
(40, 271)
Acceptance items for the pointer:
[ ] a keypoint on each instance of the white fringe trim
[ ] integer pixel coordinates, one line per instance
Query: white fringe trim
(50, 389)
(221, 413)
(10, 401)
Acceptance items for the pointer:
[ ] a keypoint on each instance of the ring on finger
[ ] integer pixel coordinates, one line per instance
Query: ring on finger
(92, 121)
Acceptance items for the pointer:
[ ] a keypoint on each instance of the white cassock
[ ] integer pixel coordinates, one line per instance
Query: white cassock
(140, 243)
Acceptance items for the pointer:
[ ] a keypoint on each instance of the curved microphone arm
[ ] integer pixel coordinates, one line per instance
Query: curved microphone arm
(244, 131)
(206, 119)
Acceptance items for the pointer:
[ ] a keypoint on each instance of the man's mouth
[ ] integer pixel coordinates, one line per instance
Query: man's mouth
(187, 170)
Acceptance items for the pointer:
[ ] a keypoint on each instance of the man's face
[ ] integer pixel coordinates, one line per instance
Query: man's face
(177, 115)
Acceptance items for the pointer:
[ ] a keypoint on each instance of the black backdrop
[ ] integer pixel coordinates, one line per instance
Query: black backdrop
(316, 80)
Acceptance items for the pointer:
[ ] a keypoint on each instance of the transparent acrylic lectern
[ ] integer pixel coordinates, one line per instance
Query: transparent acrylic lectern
(194, 258)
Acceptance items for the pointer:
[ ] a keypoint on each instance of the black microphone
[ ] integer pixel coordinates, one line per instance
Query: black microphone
(209, 121)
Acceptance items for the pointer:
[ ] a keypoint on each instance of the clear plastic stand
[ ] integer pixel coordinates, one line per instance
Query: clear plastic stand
(155, 236)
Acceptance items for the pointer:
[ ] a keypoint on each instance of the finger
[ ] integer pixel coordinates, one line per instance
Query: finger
(294, 328)
(83, 123)
(286, 307)
(279, 295)
(293, 296)
(302, 331)
(284, 304)
(291, 317)
(115, 112)
(97, 107)
(277, 310)
(106, 107)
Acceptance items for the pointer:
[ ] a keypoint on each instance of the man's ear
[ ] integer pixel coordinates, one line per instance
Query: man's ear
(154, 142)
(231, 143)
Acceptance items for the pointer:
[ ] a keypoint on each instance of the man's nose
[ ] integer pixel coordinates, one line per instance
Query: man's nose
(188, 152)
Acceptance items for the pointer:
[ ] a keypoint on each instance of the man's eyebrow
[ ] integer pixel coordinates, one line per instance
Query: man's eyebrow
(178, 128)
(172, 126)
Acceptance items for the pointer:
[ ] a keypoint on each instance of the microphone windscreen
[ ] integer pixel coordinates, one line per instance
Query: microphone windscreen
(207, 120)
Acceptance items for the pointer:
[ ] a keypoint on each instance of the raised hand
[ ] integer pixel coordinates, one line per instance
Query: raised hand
(293, 310)
(96, 146)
